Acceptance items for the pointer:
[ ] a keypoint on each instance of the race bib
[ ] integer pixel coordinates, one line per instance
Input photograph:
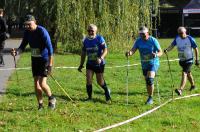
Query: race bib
(147, 57)
(181, 55)
(92, 57)
(35, 52)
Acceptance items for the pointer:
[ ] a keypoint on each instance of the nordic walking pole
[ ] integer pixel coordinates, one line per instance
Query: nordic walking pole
(61, 87)
(157, 87)
(170, 76)
(15, 66)
(128, 63)
(156, 80)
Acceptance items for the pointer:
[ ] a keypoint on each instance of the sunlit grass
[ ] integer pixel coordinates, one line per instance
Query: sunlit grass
(18, 111)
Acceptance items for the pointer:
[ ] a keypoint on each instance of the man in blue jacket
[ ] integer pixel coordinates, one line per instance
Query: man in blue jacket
(41, 56)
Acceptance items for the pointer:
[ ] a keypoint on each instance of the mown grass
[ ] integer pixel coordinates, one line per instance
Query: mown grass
(18, 110)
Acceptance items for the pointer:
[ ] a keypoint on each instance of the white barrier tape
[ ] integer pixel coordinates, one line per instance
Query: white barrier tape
(28, 68)
(132, 119)
(188, 96)
(144, 114)
(8, 69)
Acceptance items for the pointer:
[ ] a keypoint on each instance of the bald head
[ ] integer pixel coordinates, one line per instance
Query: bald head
(181, 29)
(182, 32)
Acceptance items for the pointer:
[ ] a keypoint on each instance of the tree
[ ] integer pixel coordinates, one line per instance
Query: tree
(117, 20)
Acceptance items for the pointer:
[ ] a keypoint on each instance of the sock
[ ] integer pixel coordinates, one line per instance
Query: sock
(51, 97)
(107, 94)
(105, 88)
(89, 91)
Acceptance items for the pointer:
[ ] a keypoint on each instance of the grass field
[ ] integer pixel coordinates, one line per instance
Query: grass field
(18, 110)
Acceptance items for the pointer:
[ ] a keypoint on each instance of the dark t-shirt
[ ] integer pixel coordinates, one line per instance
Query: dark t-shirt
(2, 31)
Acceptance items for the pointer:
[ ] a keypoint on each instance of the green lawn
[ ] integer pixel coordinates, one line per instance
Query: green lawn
(18, 109)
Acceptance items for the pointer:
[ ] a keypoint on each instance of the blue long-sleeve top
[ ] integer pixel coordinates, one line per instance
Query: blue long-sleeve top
(39, 42)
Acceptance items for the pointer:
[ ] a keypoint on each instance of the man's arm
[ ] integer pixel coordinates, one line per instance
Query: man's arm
(105, 51)
(21, 48)
(196, 51)
(83, 56)
(131, 52)
(51, 60)
(103, 55)
(169, 48)
(159, 53)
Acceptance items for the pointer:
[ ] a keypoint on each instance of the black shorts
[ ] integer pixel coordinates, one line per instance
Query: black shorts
(39, 66)
(96, 68)
(186, 66)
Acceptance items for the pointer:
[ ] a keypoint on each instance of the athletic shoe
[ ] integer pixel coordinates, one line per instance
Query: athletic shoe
(192, 88)
(178, 91)
(149, 101)
(107, 95)
(52, 103)
(40, 107)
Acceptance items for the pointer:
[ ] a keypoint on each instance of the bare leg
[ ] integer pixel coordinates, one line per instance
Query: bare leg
(102, 83)
(38, 90)
(100, 79)
(183, 80)
(150, 88)
(89, 78)
(45, 87)
(190, 78)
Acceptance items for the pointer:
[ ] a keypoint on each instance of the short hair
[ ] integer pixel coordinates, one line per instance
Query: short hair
(181, 29)
(93, 26)
(1, 10)
(29, 18)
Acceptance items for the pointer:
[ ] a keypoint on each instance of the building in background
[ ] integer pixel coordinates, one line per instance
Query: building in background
(170, 16)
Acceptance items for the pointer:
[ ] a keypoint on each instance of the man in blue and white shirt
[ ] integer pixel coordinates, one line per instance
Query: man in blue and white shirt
(150, 51)
(185, 45)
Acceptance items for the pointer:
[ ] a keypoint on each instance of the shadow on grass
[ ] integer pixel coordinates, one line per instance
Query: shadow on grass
(20, 94)
(17, 109)
(94, 100)
(122, 93)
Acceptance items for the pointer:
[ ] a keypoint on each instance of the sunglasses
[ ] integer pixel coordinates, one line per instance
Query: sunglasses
(181, 33)
(142, 34)
(90, 30)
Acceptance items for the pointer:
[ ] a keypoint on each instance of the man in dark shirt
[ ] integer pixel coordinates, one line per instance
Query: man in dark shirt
(41, 56)
(2, 36)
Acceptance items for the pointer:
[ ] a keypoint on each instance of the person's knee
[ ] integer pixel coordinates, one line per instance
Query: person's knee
(38, 88)
(149, 81)
(89, 82)
(189, 73)
(101, 82)
(186, 73)
(100, 79)
(43, 84)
